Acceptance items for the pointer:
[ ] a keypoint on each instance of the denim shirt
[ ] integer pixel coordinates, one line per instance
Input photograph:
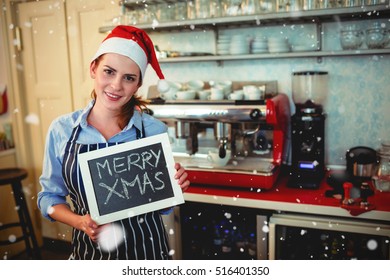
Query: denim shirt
(54, 190)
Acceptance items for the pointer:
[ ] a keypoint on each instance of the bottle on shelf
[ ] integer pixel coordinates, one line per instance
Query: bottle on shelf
(217, 241)
(382, 177)
(252, 245)
(227, 244)
(325, 247)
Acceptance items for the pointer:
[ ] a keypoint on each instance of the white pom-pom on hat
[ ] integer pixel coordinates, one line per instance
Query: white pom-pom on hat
(162, 86)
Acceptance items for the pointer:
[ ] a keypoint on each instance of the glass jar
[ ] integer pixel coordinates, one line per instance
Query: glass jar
(351, 37)
(382, 175)
(181, 10)
(202, 8)
(376, 36)
(215, 8)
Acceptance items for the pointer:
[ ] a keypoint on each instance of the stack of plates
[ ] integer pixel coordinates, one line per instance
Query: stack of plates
(239, 44)
(278, 45)
(259, 45)
(223, 45)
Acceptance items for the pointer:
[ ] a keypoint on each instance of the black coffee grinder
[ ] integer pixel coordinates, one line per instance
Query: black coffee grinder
(309, 89)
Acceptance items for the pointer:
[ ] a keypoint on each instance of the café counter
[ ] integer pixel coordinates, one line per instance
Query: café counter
(281, 198)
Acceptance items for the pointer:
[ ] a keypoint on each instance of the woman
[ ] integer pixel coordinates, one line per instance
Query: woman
(113, 116)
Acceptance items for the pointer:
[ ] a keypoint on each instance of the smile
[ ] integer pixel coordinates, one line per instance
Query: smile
(112, 95)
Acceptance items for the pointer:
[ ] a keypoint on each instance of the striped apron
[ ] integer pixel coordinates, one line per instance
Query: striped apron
(145, 235)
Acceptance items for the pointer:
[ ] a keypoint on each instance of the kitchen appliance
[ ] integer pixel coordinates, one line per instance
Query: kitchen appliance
(319, 238)
(253, 132)
(218, 232)
(309, 89)
(361, 162)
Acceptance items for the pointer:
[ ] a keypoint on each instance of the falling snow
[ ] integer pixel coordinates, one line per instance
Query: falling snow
(372, 244)
(12, 238)
(32, 119)
(110, 236)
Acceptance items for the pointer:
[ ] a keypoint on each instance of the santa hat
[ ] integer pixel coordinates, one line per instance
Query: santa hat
(136, 45)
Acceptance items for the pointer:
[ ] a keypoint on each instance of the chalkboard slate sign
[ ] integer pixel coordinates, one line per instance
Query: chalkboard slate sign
(130, 179)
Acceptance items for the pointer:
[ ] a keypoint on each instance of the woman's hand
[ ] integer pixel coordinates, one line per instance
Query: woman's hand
(181, 175)
(89, 226)
(62, 213)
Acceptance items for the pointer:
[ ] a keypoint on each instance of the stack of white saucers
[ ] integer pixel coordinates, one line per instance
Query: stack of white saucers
(239, 44)
(223, 45)
(278, 45)
(259, 45)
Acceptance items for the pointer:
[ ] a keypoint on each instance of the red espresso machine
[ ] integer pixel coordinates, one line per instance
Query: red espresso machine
(254, 134)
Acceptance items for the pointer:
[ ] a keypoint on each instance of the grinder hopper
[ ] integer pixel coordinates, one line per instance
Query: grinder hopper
(309, 87)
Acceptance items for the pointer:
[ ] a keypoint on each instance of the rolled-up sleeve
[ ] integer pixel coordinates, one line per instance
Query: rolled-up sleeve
(53, 190)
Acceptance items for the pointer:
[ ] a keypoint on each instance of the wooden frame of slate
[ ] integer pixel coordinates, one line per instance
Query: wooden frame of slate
(130, 179)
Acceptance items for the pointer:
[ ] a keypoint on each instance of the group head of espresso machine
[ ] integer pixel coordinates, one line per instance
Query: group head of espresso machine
(252, 137)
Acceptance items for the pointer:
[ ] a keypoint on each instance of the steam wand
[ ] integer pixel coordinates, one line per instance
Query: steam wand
(247, 133)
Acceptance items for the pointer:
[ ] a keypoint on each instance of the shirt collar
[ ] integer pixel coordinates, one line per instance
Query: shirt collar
(135, 121)
(82, 119)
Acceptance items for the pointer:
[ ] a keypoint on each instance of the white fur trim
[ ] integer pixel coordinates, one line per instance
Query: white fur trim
(125, 47)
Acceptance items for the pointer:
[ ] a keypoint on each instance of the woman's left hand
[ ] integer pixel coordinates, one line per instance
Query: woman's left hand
(181, 175)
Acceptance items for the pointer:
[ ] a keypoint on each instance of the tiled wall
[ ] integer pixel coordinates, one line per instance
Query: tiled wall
(358, 104)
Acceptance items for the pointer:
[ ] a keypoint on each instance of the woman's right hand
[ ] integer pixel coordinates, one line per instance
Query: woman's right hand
(89, 226)
(62, 213)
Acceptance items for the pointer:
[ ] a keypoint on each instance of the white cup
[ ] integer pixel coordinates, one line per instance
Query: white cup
(236, 95)
(214, 158)
(185, 95)
(216, 94)
(195, 85)
(204, 94)
(171, 93)
(251, 92)
(254, 96)
(225, 85)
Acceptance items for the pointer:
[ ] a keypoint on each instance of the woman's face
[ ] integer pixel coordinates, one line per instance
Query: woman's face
(117, 79)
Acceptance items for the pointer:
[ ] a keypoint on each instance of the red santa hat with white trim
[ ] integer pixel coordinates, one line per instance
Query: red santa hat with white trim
(136, 45)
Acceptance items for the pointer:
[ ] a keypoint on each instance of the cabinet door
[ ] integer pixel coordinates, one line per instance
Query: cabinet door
(83, 20)
(45, 64)
(46, 69)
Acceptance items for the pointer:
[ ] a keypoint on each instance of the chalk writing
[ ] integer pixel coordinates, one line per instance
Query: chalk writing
(123, 164)
(131, 178)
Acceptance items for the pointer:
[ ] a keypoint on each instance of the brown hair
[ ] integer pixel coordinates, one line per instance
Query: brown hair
(136, 102)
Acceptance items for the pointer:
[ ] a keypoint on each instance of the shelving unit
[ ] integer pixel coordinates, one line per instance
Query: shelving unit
(315, 54)
(317, 17)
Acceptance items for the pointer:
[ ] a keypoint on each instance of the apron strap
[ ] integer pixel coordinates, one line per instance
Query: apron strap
(75, 133)
(139, 133)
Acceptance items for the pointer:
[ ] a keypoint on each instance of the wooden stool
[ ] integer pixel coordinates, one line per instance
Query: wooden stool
(14, 177)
